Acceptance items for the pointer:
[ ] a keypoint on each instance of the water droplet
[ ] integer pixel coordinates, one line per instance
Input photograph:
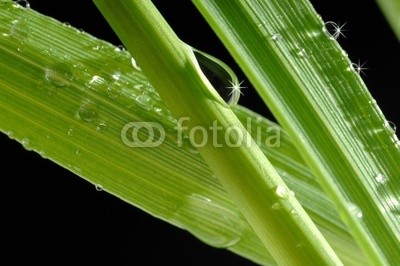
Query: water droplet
(333, 30)
(23, 3)
(114, 91)
(190, 216)
(43, 154)
(393, 203)
(20, 30)
(70, 132)
(110, 72)
(66, 24)
(381, 179)
(276, 37)
(220, 76)
(281, 192)
(390, 125)
(76, 169)
(10, 134)
(77, 152)
(302, 53)
(58, 74)
(119, 48)
(135, 65)
(144, 100)
(355, 210)
(102, 126)
(26, 144)
(99, 187)
(88, 111)
(344, 53)
(277, 206)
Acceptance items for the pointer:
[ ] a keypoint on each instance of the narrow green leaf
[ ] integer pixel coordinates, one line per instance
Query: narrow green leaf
(316, 93)
(234, 157)
(391, 10)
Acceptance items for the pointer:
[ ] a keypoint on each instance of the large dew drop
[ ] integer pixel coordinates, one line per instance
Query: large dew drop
(220, 76)
(58, 75)
(191, 215)
(88, 111)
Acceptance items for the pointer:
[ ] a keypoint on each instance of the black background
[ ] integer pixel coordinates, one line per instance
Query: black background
(51, 216)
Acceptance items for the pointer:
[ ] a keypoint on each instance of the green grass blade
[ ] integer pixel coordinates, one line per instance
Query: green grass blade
(241, 167)
(317, 95)
(391, 10)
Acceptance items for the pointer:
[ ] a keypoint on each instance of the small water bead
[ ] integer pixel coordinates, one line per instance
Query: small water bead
(111, 72)
(99, 187)
(80, 31)
(10, 134)
(77, 170)
(138, 87)
(120, 48)
(276, 206)
(20, 29)
(26, 144)
(70, 132)
(114, 91)
(381, 179)
(88, 111)
(135, 65)
(43, 154)
(144, 100)
(96, 47)
(394, 204)
(58, 74)
(102, 126)
(355, 210)
(281, 192)
(276, 37)
(78, 152)
(23, 3)
(390, 125)
(66, 24)
(302, 53)
(333, 30)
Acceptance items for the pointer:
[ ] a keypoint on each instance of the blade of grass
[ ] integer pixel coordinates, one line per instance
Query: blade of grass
(243, 170)
(318, 96)
(391, 10)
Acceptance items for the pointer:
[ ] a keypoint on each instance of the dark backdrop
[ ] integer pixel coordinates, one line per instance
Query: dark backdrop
(51, 213)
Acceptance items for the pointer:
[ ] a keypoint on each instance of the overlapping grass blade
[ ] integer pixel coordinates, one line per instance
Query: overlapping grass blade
(316, 94)
(391, 10)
